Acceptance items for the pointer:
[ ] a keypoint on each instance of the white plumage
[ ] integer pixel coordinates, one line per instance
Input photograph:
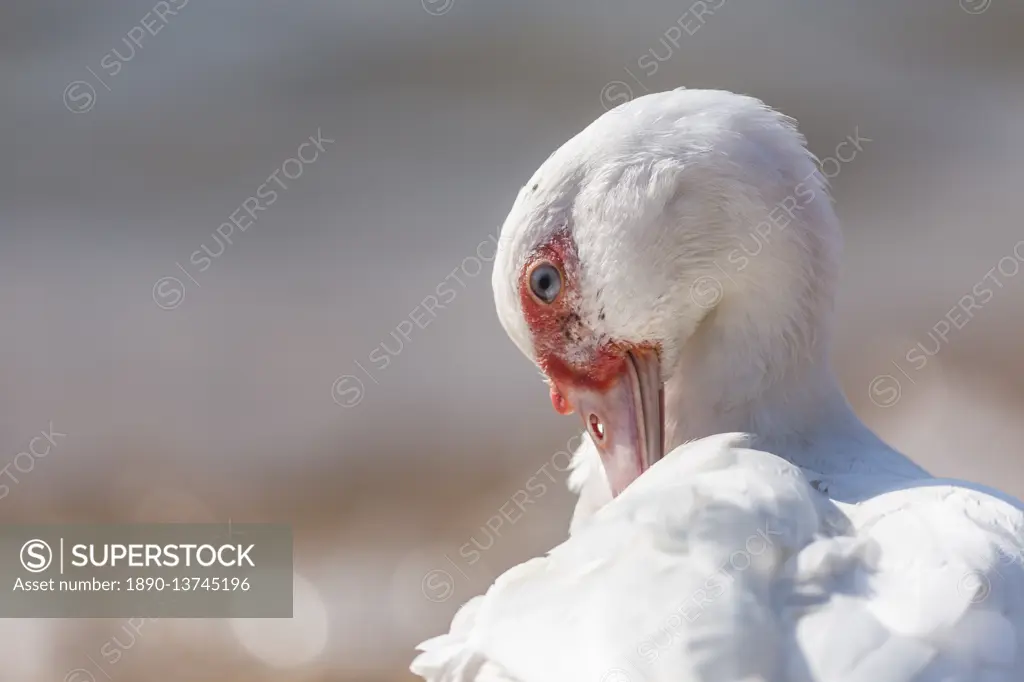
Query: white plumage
(779, 540)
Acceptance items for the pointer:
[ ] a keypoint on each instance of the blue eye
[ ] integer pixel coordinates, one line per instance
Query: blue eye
(546, 282)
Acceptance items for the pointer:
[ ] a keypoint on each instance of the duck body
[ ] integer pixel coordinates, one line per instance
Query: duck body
(723, 563)
(779, 540)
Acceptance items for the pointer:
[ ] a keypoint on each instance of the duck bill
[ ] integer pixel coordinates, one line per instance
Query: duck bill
(626, 419)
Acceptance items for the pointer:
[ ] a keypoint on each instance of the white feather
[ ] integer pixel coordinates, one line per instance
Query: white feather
(722, 563)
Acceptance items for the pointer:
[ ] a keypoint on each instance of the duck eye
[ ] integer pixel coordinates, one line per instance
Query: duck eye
(546, 282)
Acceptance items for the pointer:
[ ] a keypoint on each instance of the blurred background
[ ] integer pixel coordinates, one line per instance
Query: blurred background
(192, 378)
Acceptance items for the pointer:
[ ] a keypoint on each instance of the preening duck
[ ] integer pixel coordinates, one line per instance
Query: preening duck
(672, 271)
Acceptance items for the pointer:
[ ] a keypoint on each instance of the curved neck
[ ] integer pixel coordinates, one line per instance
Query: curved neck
(733, 375)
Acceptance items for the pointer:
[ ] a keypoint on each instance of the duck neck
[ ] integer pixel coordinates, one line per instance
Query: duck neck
(778, 386)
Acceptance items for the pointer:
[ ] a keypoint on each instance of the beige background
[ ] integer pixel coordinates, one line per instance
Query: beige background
(222, 407)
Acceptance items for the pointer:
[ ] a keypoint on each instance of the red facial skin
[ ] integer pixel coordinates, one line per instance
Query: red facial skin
(556, 327)
(559, 402)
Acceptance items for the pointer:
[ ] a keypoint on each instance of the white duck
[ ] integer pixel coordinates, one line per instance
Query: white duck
(622, 273)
